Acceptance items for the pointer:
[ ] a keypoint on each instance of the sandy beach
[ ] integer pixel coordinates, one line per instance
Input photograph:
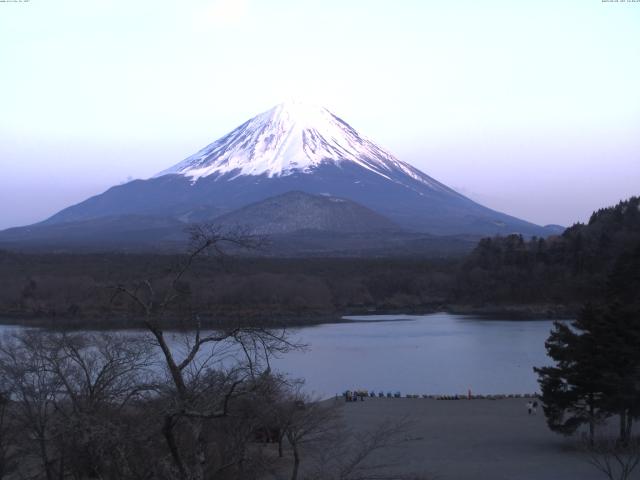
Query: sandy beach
(471, 439)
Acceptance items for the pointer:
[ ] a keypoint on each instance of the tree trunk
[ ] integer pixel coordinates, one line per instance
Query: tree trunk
(45, 458)
(200, 455)
(61, 468)
(280, 441)
(167, 430)
(623, 427)
(296, 462)
(592, 422)
(176, 373)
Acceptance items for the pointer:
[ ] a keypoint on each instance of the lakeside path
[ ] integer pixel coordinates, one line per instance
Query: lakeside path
(471, 439)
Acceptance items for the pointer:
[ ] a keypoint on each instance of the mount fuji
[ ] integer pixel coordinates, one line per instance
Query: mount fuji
(292, 147)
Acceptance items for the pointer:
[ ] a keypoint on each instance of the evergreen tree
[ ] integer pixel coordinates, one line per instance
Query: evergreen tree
(622, 321)
(572, 391)
(597, 371)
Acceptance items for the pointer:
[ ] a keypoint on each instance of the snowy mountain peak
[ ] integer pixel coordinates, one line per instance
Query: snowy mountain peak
(294, 147)
(293, 137)
(296, 112)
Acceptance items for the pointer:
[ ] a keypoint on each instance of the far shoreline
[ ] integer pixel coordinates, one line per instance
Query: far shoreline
(529, 312)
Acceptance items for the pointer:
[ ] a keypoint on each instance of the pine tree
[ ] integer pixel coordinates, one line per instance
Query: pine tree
(572, 391)
(597, 371)
(622, 320)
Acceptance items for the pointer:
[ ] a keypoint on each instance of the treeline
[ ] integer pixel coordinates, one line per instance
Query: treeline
(567, 269)
(69, 288)
(556, 274)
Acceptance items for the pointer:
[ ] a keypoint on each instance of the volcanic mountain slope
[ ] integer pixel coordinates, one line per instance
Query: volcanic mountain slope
(298, 211)
(115, 232)
(294, 224)
(296, 147)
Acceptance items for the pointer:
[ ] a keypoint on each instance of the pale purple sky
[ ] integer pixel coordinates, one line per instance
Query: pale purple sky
(531, 108)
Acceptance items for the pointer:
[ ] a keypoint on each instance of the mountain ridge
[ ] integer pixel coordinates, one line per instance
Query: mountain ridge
(290, 137)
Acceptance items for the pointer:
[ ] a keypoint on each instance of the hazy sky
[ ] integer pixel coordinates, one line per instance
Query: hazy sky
(530, 107)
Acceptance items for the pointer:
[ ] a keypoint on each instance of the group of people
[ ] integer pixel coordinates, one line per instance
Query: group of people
(355, 395)
(532, 407)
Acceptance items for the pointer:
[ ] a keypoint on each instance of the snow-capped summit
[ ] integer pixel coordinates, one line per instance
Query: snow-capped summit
(302, 148)
(292, 137)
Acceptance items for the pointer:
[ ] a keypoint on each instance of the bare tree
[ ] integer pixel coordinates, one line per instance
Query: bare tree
(32, 389)
(615, 459)
(8, 458)
(201, 387)
(99, 369)
(282, 400)
(306, 421)
(67, 396)
(101, 376)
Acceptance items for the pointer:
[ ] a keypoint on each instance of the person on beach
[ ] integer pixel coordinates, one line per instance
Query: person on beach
(535, 407)
(529, 406)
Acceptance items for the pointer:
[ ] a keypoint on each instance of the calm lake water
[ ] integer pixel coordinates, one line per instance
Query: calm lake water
(418, 354)
(433, 354)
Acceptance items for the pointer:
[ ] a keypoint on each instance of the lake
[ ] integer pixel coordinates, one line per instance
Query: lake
(418, 354)
(421, 354)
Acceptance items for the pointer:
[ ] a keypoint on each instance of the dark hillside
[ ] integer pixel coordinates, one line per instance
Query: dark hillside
(564, 269)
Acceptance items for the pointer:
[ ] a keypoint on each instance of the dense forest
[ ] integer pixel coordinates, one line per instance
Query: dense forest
(562, 270)
(551, 276)
(68, 288)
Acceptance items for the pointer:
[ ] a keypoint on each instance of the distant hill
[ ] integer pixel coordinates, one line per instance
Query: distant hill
(299, 211)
